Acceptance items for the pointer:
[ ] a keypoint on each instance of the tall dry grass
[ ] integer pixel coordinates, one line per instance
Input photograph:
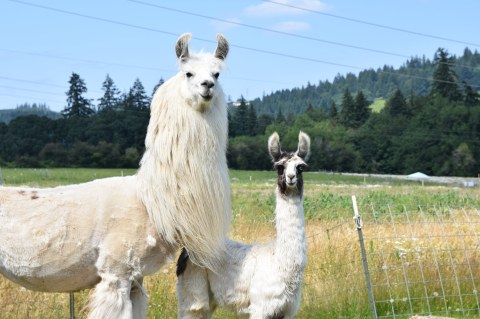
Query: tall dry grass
(334, 283)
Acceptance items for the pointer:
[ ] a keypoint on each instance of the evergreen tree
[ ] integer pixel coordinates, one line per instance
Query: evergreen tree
(332, 111)
(362, 111)
(159, 84)
(444, 76)
(240, 119)
(346, 117)
(252, 120)
(111, 95)
(471, 96)
(77, 104)
(264, 120)
(280, 117)
(137, 98)
(397, 105)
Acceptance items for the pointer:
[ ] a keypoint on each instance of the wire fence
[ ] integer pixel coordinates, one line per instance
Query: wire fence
(420, 259)
(409, 260)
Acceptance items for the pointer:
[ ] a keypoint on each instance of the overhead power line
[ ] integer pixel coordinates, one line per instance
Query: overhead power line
(29, 90)
(86, 60)
(32, 98)
(373, 24)
(32, 82)
(295, 35)
(268, 29)
(211, 41)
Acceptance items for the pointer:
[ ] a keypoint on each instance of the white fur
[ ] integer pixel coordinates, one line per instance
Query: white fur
(75, 237)
(183, 175)
(261, 280)
(111, 233)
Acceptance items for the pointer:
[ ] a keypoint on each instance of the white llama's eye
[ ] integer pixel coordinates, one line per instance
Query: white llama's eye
(216, 75)
(189, 74)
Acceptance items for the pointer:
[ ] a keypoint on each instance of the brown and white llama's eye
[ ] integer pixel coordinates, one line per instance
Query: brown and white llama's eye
(189, 74)
(301, 168)
(216, 75)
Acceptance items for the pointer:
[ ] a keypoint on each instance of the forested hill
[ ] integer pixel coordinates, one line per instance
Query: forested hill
(413, 77)
(26, 109)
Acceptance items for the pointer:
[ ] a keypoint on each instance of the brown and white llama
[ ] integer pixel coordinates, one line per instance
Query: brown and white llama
(263, 281)
(110, 233)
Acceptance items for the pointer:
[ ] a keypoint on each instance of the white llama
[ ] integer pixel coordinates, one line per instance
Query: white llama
(111, 233)
(261, 280)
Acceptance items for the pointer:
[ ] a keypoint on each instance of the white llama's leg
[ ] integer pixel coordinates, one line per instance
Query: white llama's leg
(138, 295)
(111, 299)
(193, 294)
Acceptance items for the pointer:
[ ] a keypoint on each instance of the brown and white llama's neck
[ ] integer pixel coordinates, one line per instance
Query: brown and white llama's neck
(290, 242)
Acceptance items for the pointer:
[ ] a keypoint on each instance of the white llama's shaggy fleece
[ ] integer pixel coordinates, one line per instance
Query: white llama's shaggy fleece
(110, 233)
(66, 238)
(183, 176)
(260, 280)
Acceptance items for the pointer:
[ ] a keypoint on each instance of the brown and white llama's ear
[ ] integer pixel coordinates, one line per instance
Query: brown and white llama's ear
(303, 146)
(181, 48)
(274, 146)
(222, 47)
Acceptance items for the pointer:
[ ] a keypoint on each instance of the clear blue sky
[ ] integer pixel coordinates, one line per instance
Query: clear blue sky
(273, 46)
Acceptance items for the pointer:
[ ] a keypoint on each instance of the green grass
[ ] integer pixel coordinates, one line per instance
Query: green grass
(377, 105)
(49, 177)
(334, 285)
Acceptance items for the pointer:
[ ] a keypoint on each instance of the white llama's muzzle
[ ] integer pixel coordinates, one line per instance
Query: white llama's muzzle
(207, 90)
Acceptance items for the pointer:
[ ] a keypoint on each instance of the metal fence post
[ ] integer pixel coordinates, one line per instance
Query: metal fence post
(358, 222)
(72, 306)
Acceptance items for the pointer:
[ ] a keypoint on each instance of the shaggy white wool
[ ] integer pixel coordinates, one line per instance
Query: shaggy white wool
(59, 239)
(183, 176)
(99, 234)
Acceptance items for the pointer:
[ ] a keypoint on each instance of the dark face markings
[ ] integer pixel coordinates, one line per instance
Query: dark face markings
(290, 178)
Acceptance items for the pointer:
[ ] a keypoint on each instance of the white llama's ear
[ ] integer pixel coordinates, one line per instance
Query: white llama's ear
(181, 49)
(222, 47)
(274, 146)
(303, 146)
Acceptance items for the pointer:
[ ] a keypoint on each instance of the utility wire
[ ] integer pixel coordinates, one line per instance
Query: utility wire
(93, 18)
(32, 98)
(32, 82)
(85, 60)
(373, 24)
(278, 31)
(29, 90)
(267, 29)
(211, 41)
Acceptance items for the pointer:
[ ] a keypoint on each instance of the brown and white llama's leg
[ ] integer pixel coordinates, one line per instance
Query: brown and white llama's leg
(111, 299)
(138, 295)
(193, 294)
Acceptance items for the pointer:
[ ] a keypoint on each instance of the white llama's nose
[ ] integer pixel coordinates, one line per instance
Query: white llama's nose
(208, 84)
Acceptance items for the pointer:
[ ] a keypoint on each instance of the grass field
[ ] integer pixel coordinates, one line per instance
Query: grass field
(377, 105)
(334, 285)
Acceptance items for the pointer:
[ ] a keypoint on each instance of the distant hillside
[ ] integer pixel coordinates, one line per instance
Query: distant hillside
(26, 109)
(412, 77)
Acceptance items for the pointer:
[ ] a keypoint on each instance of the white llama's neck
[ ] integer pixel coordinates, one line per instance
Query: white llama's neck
(290, 243)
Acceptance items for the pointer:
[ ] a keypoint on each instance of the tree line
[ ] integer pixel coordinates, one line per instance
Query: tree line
(435, 132)
(413, 77)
